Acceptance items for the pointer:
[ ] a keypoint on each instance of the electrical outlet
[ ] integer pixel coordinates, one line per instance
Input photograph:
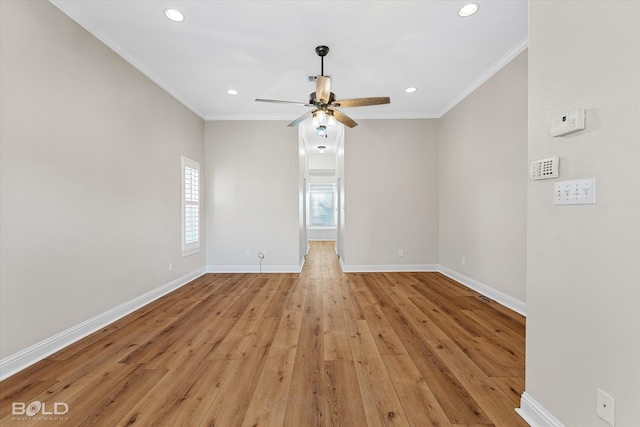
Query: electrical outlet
(605, 406)
(463, 261)
(247, 254)
(170, 266)
(401, 252)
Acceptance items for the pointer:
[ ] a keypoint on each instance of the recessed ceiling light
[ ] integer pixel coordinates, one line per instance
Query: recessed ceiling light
(232, 92)
(174, 15)
(410, 89)
(468, 10)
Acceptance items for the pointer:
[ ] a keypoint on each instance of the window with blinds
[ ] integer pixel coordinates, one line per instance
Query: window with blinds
(322, 205)
(190, 206)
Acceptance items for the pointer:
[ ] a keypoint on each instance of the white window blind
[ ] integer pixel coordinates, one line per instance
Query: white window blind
(190, 206)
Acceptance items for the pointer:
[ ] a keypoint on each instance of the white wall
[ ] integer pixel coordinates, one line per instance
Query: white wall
(253, 204)
(391, 193)
(583, 271)
(340, 188)
(483, 181)
(90, 177)
(321, 162)
(303, 239)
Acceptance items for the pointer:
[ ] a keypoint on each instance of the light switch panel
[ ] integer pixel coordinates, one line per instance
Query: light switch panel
(576, 192)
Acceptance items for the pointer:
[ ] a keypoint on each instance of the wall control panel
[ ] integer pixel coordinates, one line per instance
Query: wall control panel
(568, 123)
(545, 168)
(576, 192)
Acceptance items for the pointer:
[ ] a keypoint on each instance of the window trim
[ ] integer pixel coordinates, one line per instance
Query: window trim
(193, 247)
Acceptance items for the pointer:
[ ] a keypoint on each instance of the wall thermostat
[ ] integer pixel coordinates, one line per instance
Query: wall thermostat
(569, 123)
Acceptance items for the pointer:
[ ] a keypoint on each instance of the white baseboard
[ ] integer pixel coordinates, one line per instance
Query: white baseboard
(27, 357)
(534, 414)
(499, 297)
(254, 268)
(388, 268)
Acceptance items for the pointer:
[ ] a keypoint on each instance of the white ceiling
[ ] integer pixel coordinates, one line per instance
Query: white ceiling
(266, 49)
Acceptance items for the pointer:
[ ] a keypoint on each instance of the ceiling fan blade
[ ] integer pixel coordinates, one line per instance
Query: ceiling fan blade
(323, 89)
(344, 119)
(301, 118)
(275, 101)
(361, 102)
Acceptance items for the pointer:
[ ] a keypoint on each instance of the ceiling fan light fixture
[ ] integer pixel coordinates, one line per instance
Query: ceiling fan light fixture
(321, 115)
(174, 15)
(321, 149)
(322, 130)
(468, 10)
(331, 119)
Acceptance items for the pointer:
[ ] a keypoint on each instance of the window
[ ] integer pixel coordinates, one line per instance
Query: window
(190, 207)
(321, 204)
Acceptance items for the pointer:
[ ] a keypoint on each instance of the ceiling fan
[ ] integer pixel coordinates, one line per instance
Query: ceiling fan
(325, 102)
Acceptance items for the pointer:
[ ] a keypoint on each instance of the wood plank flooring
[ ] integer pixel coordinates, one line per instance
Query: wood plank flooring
(320, 348)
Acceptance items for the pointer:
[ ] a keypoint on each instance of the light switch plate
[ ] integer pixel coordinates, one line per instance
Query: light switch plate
(576, 192)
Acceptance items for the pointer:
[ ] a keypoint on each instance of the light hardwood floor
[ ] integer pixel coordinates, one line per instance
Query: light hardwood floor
(320, 348)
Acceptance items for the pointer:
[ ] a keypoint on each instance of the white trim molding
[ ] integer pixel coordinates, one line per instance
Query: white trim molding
(33, 354)
(534, 414)
(500, 297)
(497, 66)
(255, 268)
(347, 268)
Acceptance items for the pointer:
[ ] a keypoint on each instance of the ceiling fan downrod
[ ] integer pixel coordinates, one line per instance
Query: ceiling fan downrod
(322, 51)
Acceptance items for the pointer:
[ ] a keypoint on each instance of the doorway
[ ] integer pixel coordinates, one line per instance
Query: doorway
(323, 185)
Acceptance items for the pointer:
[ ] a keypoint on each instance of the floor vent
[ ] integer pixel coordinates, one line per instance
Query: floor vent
(485, 299)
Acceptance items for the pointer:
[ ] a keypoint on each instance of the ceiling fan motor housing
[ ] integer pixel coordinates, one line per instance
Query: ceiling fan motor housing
(314, 101)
